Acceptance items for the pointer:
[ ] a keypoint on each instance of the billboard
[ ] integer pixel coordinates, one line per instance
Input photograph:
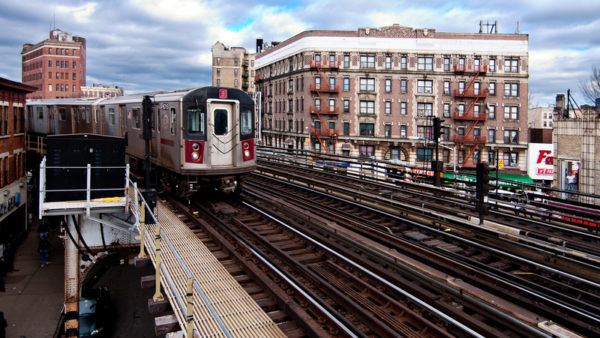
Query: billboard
(540, 161)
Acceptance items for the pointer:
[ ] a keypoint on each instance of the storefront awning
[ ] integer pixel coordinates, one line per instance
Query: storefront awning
(506, 180)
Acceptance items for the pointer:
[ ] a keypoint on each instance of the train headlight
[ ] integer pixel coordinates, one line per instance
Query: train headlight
(195, 146)
(246, 153)
(246, 146)
(195, 155)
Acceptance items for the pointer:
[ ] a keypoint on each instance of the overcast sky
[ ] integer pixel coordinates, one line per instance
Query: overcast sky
(146, 45)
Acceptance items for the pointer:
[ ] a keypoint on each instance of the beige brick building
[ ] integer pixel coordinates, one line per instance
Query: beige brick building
(374, 92)
(577, 149)
(232, 67)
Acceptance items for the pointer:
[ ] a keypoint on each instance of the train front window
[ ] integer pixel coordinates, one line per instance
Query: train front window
(246, 122)
(220, 121)
(195, 121)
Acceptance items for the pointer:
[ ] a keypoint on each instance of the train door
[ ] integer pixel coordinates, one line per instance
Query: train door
(51, 120)
(155, 120)
(122, 120)
(222, 133)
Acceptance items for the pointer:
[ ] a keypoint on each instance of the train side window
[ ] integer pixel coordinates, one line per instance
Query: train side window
(246, 122)
(40, 112)
(111, 116)
(62, 114)
(136, 118)
(173, 120)
(195, 121)
(220, 120)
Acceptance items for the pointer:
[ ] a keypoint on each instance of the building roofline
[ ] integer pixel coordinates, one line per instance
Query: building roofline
(18, 86)
(393, 32)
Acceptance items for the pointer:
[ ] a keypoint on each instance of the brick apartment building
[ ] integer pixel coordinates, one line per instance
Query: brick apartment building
(374, 92)
(232, 67)
(13, 181)
(55, 66)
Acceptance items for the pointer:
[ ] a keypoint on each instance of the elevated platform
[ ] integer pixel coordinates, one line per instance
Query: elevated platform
(221, 307)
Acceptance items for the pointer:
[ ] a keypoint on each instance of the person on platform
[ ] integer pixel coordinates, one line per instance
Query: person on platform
(9, 254)
(3, 325)
(43, 228)
(44, 250)
(3, 271)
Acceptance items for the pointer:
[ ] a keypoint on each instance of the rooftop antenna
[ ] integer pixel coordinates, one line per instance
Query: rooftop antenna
(518, 24)
(490, 28)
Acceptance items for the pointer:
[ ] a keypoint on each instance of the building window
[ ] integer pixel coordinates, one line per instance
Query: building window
(62, 64)
(367, 84)
(461, 63)
(66, 88)
(511, 65)
(66, 64)
(388, 107)
(395, 154)
(446, 133)
(403, 131)
(49, 87)
(476, 64)
(446, 64)
(388, 62)
(492, 158)
(332, 83)
(511, 137)
(403, 86)
(367, 107)
(511, 89)
(57, 88)
(424, 132)
(476, 87)
(366, 151)
(331, 105)
(290, 85)
(492, 88)
(49, 50)
(388, 130)
(492, 136)
(50, 63)
(317, 82)
(461, 109)
(74, 76)
(346, 61)
(424, 154)
(461, 87)
(511, 112)
(235, 61)
(425, 86)
(346, 128)
(425, 63)
(57, 75)
(446, 87)
(492, 67)
(424, 109)
(235, 83)
(318, 103)
(388, 85)
(402, 108)
(346, 106)
(218, 82)
(346, 84)
(367, 129)
(218, 71)
(446, 109)
(403, 62)
(511, 159)
(491, 112)
(367, 61)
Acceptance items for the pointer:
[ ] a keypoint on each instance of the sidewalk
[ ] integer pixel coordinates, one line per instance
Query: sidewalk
(33, 299)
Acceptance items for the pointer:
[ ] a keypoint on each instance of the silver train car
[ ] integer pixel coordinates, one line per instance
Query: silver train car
(201, 137)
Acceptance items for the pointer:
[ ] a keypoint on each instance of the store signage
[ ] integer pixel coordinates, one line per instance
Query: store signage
(10, 204)
(540, 161)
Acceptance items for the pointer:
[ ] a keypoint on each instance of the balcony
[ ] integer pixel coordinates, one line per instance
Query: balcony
(458, 68)
(325, 88)
(245, 74)
(324, 132)
(324, 110)
(470, 139)
(245, 85)
(325, 64)
(471, 93)
(257, 78)
(469, 116)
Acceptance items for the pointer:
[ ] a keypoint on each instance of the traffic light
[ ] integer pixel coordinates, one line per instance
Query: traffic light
(437, 128)
(147, 118)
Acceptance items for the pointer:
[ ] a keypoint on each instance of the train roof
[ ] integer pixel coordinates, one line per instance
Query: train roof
(165, 95)
(66, 101)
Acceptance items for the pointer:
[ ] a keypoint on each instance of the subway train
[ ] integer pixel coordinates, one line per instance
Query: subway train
(201, 138)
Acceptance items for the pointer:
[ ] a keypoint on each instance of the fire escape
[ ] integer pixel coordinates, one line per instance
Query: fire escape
(324, 131)
(477, 95)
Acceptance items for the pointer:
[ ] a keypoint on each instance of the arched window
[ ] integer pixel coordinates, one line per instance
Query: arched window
(396, 154)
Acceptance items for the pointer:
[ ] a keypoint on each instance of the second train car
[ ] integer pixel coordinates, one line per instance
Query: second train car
(201, 138)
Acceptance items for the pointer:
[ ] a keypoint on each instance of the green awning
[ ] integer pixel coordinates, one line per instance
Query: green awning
(506, 180)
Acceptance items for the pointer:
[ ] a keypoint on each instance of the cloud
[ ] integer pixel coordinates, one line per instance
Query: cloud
(80, 14)
(179, 10)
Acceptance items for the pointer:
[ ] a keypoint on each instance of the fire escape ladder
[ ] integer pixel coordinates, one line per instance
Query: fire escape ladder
(474, 146)
(469, 111)
(318, 111)
(472, 81)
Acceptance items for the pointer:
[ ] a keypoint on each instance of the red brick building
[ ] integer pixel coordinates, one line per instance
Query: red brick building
(13, 181)
(55, 66)
(374, 92)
